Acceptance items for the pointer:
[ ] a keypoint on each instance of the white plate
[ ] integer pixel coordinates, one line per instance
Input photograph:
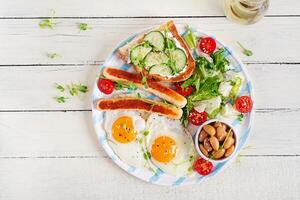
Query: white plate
(160, 178)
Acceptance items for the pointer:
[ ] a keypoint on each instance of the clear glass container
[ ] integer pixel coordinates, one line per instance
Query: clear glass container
(245, 11)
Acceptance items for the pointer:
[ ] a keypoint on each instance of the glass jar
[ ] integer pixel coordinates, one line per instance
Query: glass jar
(245, 11)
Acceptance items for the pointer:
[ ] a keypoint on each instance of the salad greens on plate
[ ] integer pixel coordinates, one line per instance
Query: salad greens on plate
(215, 85)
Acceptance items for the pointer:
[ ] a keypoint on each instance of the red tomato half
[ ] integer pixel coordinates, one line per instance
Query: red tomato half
(184, 91)
(207, 45)
(106, 86)
(197, 118)
(203, 167)
(243, 104)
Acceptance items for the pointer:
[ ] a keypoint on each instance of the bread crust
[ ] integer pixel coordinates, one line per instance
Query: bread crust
(154, 87)
(147, 105)
(123, 53)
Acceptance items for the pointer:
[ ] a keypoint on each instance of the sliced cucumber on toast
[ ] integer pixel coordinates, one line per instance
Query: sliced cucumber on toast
(161, 69)
(179, 58)
(138, 53)
(156, 39)
(155, 58)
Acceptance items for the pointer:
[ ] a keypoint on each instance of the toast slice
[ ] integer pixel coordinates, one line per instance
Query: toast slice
(147, 105)
(182, 74)
(154, 87)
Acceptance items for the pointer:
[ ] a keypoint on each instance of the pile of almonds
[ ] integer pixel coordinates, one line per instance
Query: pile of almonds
(216, 140)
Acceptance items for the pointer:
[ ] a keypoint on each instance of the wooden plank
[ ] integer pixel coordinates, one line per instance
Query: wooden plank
(52, 134)
(252, 178)
(24, 43)
(32, 88)
(107, 8)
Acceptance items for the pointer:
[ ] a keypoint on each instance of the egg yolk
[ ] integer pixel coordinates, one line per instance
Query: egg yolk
(123, 130)
(163, 149)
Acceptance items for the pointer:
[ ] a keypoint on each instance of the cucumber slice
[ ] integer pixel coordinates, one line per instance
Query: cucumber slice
(178, 55)
(170, 44)
(161, 69)
(155, 58)
(156, 39)
(138, 53)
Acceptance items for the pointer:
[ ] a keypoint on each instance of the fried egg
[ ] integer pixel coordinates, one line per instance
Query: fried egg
(170, 146)
(123, 129)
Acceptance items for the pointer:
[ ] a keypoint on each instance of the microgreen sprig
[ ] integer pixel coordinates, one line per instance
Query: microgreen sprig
(48, 22)
(60, 87)
(84, 26)
(61, 99)
(72, 88)
(121, 85)
(53, 55)
(247, 52)
(144, 81)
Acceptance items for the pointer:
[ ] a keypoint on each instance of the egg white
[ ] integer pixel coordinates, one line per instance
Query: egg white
(161, 126)
(131, 153)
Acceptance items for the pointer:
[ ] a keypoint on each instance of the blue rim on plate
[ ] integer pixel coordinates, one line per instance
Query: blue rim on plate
(160, 177)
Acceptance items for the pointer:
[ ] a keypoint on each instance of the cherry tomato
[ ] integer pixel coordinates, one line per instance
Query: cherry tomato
(243, 104)
(184, 91)
(207, 45)
(106, 86)
(197, 118)
(203, 167)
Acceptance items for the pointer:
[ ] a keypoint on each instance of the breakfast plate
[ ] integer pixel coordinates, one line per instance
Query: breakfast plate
(145, 165)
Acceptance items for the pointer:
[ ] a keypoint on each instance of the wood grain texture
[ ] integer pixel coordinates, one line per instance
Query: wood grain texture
(24, 43)
(130, 8)
(98, 178)
(32, 88)
(68, 134)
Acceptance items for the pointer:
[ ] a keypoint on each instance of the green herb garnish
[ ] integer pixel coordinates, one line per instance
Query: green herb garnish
(241, 117)
(170, 44)
(121, 85)
(247, 52)
(48, 22)
(172, 64)
(60, 99)
(144, 81)
(75, 88)
(60, 87)
(72, 88)
(53, 55)
(139, 95)
(147, 155)
(146, 132)
(140, 140)
(83, 26)
(82, 88)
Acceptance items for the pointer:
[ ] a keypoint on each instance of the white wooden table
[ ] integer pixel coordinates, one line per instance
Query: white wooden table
(50, 151)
